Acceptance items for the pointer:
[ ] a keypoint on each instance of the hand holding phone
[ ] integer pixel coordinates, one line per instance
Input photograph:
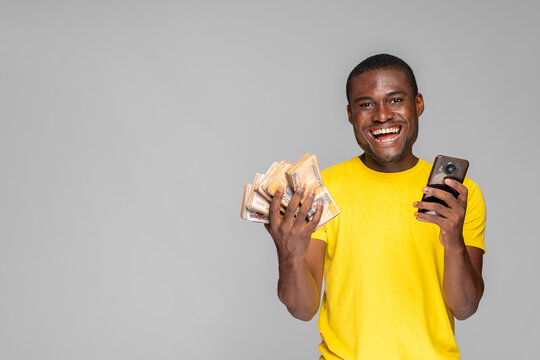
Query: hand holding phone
(444, 167)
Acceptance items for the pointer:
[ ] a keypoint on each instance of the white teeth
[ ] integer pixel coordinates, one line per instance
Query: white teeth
(385, 131)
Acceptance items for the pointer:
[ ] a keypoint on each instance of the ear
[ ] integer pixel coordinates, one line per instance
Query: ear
(419, 104)
(349, 113)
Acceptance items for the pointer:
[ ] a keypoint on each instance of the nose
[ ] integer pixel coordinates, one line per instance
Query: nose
(383, 113)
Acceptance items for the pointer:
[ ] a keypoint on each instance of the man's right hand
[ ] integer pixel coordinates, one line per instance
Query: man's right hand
(291, 231)
(301, 259)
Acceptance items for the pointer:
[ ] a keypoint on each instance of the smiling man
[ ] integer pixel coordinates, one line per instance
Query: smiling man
(393, 284)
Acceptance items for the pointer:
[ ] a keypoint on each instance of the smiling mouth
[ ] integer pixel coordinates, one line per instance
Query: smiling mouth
(386, 135)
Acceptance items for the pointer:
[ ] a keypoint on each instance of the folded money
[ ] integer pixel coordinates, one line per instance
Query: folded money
(257, 196)
(256, 201)
(264, 180)
(276, 178)
(264, 186)
(330, 209)
(247, 214)
(306, 171)
(279, 179)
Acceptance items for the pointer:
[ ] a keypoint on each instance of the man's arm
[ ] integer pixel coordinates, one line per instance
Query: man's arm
(299, 284)
(463, 285)
(301, 259)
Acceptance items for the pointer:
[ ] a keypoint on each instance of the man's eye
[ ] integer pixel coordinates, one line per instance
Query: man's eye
(365, 105)
(395, 100)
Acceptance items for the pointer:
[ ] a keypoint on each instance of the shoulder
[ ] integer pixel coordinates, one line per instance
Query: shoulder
(475, 217)
(340, 170)
(474, 191)
(476, 205)
(424, 166)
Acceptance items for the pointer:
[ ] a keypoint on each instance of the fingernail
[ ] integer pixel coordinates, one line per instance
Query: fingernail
(415, 203)
(312, 192)
(302, 186)
(426, 189)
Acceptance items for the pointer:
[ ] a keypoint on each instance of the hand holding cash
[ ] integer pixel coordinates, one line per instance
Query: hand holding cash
(258, 196)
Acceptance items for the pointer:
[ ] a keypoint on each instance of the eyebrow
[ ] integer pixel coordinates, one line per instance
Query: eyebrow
(369, 98)
(363, 98)
(394, 93)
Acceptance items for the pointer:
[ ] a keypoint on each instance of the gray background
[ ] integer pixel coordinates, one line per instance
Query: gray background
(127, 129)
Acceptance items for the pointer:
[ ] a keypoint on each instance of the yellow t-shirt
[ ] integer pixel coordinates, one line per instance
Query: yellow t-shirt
(383, 270)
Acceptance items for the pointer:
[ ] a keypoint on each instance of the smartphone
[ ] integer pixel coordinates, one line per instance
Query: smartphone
(444, 167)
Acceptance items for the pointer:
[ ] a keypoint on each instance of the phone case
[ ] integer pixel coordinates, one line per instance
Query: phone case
(445, 167)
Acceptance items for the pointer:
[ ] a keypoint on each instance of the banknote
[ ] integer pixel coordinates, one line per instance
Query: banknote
(330, 209)
(276, 178)
(256, 201)
(306, 171)
(257, 196)
(267, 176)
(247, 214)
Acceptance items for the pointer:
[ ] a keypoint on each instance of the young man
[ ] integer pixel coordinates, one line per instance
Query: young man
(393, 284)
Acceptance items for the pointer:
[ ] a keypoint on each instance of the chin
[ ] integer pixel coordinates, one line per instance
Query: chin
(386, 158)
(383, 156)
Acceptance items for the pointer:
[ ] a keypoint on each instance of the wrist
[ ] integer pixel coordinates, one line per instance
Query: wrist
(290, 261)
(457, 247)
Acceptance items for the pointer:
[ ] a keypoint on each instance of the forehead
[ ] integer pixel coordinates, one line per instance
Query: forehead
(380, 82)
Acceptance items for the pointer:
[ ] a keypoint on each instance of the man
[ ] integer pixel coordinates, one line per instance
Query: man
(393, 284)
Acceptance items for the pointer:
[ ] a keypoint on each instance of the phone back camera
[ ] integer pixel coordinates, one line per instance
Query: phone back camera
(450, 169)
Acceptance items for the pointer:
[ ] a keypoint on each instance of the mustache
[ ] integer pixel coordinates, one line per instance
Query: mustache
(387, 124)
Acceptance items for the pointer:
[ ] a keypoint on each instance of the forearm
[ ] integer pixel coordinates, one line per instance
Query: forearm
(297, 289)
(462, 284)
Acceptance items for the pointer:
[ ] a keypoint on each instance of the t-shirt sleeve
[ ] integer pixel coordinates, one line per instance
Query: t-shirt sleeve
(320, 234)
(475, 218)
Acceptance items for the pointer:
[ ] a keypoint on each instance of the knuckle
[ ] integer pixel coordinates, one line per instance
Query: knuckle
(445, 195)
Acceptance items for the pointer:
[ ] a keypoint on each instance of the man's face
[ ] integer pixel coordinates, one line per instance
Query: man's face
(384, 113)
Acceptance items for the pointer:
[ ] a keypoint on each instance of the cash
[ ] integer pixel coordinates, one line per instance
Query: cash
(258, 195)
(247, 214)
(256, 202)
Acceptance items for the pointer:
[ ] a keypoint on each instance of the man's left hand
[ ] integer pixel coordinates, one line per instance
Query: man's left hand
(451, 218)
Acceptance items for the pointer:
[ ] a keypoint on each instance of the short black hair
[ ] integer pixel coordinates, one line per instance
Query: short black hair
(382, 61)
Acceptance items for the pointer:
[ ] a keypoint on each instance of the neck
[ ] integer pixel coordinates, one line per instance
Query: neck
(408, 162)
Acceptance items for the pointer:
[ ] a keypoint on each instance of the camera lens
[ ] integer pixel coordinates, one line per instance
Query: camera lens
(450, 169)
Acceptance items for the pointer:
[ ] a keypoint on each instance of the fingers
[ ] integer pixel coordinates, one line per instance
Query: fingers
(294, 217)
(447, 197)
(304, 209)
(317, 216)
(456, 206)
(273, 214)
(434, 219)
(290, 212)
(459, 187)
(442, 210)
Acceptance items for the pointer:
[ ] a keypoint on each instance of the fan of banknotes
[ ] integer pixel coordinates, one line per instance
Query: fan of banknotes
(258, 195)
